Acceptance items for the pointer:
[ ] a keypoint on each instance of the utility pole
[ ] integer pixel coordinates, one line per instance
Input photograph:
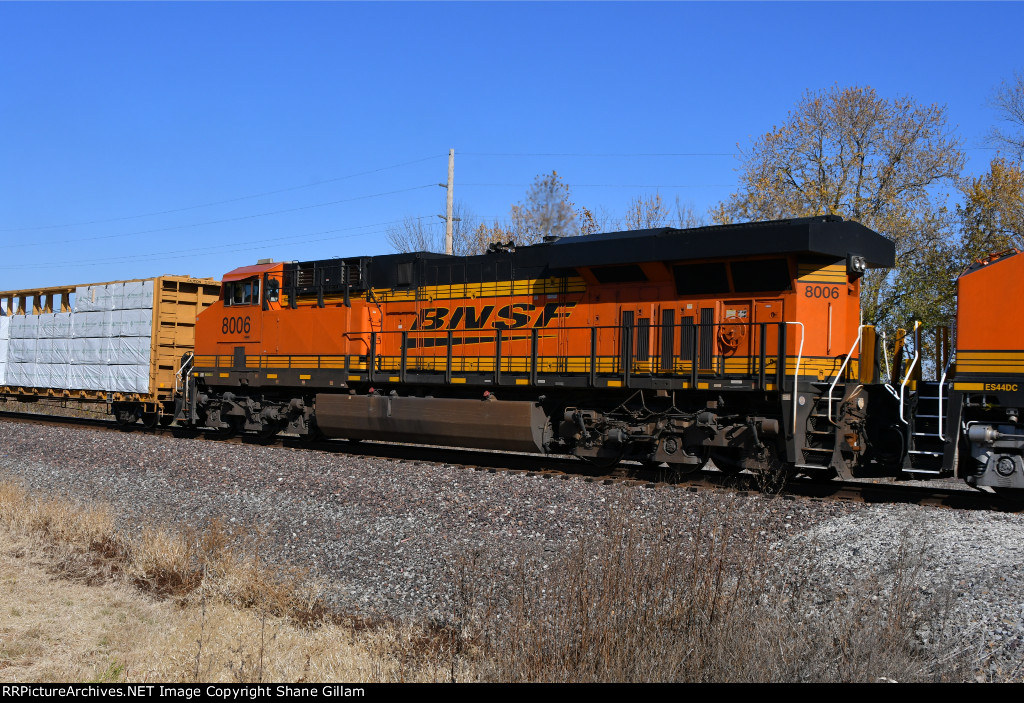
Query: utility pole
(448, 219)
(451, 192)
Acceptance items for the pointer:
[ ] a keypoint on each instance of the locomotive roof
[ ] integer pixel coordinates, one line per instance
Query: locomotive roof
(826, 235)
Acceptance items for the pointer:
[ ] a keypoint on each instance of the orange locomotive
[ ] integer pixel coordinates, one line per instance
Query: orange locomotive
(739, 342)
(981, 431)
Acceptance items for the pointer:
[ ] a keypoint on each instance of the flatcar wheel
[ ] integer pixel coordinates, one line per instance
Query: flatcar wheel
(127, 415)
(727, 461)
(150, 420)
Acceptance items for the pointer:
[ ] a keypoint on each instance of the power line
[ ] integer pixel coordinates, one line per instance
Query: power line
(220, 202)
(606, 185)
(692, 153)
(196, 251)
(217, 222)
(238, 248)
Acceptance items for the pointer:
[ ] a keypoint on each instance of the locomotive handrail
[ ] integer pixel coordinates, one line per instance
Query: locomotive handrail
(885, 356)
(632, 362)
(839, 374)
(796, 371)
(942, 382)
(910, 371)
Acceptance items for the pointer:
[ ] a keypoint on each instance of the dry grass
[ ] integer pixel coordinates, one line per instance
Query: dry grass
(695, 602)
(55, 629)
(644, 605)
(88, 603)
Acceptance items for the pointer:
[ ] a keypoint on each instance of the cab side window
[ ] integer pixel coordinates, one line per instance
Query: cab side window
(242, 292)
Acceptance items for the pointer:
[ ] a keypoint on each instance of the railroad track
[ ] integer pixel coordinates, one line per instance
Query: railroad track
(557, 467)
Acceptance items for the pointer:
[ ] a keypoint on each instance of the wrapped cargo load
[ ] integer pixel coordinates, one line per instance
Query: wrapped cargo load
(96, 298)
(119, 342)
(135, 295)
(136, 323)
(5, 337)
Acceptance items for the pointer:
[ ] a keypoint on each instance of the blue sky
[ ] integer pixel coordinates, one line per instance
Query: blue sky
(152, 138)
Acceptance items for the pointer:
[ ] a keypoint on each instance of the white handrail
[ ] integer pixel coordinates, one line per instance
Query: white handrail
(839, 375)
(942, 382)
(885, 355)
(910, 370)
(796, 371)
(179, 382)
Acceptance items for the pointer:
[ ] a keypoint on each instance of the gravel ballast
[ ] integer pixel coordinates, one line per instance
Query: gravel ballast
(385, 534)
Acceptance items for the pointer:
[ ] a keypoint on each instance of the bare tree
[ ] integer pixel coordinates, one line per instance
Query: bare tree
(547, 211)
(415, 234)
(424, 234)
(463, 230)
(686, 216)
(646, 213)
(1009, 103)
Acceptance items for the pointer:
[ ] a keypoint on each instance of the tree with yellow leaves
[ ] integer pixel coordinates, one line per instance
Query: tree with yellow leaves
(992, 215)
(849, 152)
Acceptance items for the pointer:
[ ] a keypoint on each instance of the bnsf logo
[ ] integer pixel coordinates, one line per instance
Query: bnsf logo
(509, 317)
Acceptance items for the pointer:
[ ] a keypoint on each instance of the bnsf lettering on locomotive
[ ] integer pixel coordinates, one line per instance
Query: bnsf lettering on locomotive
(1010, 387)
(822, 292)
(551, 311)
(432, 318)
(235, 325)
(509, 317)
(515, 318)
(474, 320)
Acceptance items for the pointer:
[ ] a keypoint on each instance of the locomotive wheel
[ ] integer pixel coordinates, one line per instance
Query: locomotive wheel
(1014, 496)
(688, 469)
(603, 463)
(823, 476)
(727, 461)
(267, 435)
(228, 430)
(678, 470)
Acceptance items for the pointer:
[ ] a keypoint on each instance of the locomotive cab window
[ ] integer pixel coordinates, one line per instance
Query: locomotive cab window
(242, 292)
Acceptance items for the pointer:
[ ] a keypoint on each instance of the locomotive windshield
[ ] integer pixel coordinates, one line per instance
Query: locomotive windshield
(245, 292)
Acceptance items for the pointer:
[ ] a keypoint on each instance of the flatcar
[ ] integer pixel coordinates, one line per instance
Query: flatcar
(117, 344)
(742, 343)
